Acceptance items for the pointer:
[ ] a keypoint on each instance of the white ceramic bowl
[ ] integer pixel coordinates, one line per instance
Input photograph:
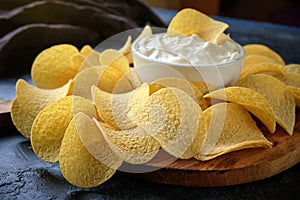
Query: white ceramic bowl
(219, 75)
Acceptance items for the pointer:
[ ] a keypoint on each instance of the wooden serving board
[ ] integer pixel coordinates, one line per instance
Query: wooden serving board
(234, 168)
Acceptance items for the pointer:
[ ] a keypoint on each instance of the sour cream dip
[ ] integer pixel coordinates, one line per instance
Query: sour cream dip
(218, 63)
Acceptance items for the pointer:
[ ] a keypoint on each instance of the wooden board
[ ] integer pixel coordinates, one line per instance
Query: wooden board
(5, 119)
(234, 168)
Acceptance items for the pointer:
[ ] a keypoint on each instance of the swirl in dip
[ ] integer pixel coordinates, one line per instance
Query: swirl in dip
(190, 50)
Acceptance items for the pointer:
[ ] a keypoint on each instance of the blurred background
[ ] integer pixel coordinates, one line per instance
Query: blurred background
(285, 12)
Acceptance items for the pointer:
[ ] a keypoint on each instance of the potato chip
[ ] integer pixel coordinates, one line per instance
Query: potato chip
(21, 118)
(77, 165)
(252, 60)
(78, 60)
(183, 85)
(204, 87)
(189, 21)
(126, 48)
(134, 146)
(293, 82)
(147, 31)
(53, 67)
(250, 100)
(296, 93)
(235, 133)
(273, 68)
(171, 117)
(293, 68)
(85, 79)
(114, 108)
(113, 80)
(92, 139)
(290, 79)
(50, 125)
(115, 59)
(31, 100)
(86, 50)
(282, 100)
(259, 49)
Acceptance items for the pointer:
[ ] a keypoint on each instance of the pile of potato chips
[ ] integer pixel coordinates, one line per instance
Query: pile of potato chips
(89, 111)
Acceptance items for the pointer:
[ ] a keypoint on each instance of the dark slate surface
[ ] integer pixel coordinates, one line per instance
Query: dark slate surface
(24, 176)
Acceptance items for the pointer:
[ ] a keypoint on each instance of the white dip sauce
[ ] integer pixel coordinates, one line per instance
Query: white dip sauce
(187, 50)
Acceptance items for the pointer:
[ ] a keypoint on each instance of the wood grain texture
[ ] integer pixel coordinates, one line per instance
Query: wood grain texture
(230, 169)
(5, 119)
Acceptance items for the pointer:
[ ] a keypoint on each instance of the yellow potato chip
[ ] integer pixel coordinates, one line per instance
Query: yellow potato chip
(273, 68)
(113, 80)
(251, 60)
(147, 31)
(183, 85)
(86, 50)
(93, 140)
(290, 79)
(171, 117)
(85, 79)
(189, 21)
(126, 48)
(53, 67)
(78, 60)
(77, 165)
(21, 118)
(250, 100)
(134, 146)
(233, 134)
(114, 58)
(296, 93)
(293, 68)
(114, 108)
(204, 87)
(31, 100)
(277, 94)
(49, 127)
(259, 49)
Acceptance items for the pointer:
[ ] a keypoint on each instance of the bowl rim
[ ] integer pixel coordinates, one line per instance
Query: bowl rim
(223, 64)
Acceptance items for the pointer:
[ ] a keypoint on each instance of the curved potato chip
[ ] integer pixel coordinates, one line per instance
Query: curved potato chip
(282, 100)
(259, 49)
(134, 146)
(53, 67)
(171, 117)
(293, 68)
(49, 127)
(77, 165)
(31, 100)
(290, 79)
(296, 93)
(114, 81)
(147, 31)
(250, 100)
(86, 50)
(93, 140)
(263, 68)
(236, 132)
(251, 60)
(114, 108)
(190, 21)
(126, 48)
(21, 118)
(85, 79)
(183, 85)
(204, 87)
(116, 59)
